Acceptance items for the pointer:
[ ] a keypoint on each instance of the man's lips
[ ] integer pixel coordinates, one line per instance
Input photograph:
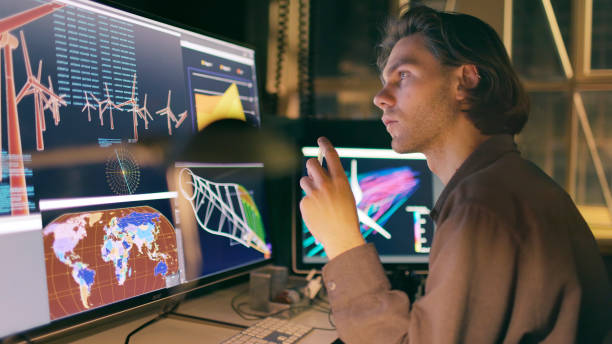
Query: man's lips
(386, 121)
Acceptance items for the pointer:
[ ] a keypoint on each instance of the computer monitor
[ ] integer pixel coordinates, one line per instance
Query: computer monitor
(394, 194)
(93, 100)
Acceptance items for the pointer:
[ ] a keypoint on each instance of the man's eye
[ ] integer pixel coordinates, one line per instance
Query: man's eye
(403, 75)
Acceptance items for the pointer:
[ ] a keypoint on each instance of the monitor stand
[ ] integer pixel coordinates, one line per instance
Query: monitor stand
(269, 293)
(411, 283)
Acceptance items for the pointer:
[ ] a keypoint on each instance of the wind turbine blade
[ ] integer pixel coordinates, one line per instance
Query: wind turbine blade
(182, 117)
(39, 70)
(27, 16)
(368, 221)
(357, 193)
(26, 56)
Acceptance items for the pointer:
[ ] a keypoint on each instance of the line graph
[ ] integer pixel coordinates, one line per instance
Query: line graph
(224, 209)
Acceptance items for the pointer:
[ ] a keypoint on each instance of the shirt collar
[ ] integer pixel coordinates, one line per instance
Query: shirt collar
(484, 155)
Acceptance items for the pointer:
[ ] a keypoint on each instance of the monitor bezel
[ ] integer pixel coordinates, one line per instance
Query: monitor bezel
(111, 312)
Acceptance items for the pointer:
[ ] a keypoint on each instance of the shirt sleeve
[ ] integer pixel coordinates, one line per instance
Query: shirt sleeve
(469, 288)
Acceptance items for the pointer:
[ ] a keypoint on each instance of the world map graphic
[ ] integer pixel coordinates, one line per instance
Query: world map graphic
(100, 257)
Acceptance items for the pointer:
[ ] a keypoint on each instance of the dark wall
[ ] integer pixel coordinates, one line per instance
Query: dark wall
(608, 261)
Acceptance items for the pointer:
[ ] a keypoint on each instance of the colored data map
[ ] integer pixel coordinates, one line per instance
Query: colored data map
(97, 258)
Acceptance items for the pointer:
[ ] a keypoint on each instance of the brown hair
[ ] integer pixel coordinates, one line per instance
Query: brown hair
(498, 104)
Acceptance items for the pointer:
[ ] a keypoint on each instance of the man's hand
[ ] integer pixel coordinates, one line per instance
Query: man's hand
(329, 209)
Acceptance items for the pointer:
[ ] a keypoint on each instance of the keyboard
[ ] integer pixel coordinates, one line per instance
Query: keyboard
(270, 331)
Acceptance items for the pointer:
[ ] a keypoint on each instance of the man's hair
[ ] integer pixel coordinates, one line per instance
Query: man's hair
(498, 104)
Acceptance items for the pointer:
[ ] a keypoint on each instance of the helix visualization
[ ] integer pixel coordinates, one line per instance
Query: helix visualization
(225, 209)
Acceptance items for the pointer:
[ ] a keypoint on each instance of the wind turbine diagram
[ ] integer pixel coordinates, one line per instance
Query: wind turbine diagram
(103, 105)
(170, 115)
(141, 112)
(88, 106)
(8, 43)
(54, 103)
(131, 105)
(224, 209)
(43, 97)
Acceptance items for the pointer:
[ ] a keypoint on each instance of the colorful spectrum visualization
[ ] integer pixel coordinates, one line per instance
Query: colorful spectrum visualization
(384, 192)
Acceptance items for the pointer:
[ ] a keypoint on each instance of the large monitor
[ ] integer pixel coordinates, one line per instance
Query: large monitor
(394, 194)
(93, 218)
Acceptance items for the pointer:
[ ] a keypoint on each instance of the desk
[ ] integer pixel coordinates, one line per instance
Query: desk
(215, 305)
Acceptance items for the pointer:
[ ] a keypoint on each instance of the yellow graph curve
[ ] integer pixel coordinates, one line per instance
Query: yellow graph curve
(214, 108)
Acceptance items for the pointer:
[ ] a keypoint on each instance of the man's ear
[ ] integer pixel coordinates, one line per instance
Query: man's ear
(468, 79)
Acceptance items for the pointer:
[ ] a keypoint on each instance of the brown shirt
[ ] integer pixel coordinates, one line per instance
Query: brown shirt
(512, 261)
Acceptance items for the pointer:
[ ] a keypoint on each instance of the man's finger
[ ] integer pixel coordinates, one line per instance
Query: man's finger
(315, 171)
(306, 185)
(331, 156)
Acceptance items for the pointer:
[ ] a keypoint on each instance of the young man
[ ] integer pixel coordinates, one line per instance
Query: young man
(512, 260)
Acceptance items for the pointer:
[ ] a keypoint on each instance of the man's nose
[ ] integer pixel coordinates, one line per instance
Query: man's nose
(383, 99)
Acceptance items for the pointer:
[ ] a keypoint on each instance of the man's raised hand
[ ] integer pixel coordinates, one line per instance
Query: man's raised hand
(329, 209)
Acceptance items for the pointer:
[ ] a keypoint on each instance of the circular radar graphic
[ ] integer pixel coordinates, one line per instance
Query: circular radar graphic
(122, 172)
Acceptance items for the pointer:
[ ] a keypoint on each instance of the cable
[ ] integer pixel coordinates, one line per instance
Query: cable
(168, 308)
(237, 310)
(159, 317)
(320, 309)
(26, 339)
(324, 329)
(188, 316)
(329, 318)
(252, 316)
(281, 45)
(305, 85)
(329, 313)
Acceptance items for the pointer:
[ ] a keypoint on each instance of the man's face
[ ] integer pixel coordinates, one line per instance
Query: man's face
(417, 97)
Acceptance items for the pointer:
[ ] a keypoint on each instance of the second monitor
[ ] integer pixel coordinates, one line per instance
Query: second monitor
(394, 194)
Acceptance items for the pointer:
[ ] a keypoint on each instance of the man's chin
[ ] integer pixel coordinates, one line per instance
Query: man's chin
(402, 147)
(397, 146)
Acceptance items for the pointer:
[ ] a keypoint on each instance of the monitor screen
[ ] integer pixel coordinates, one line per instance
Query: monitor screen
(93, 99)
(394, 194)
(222, 216)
